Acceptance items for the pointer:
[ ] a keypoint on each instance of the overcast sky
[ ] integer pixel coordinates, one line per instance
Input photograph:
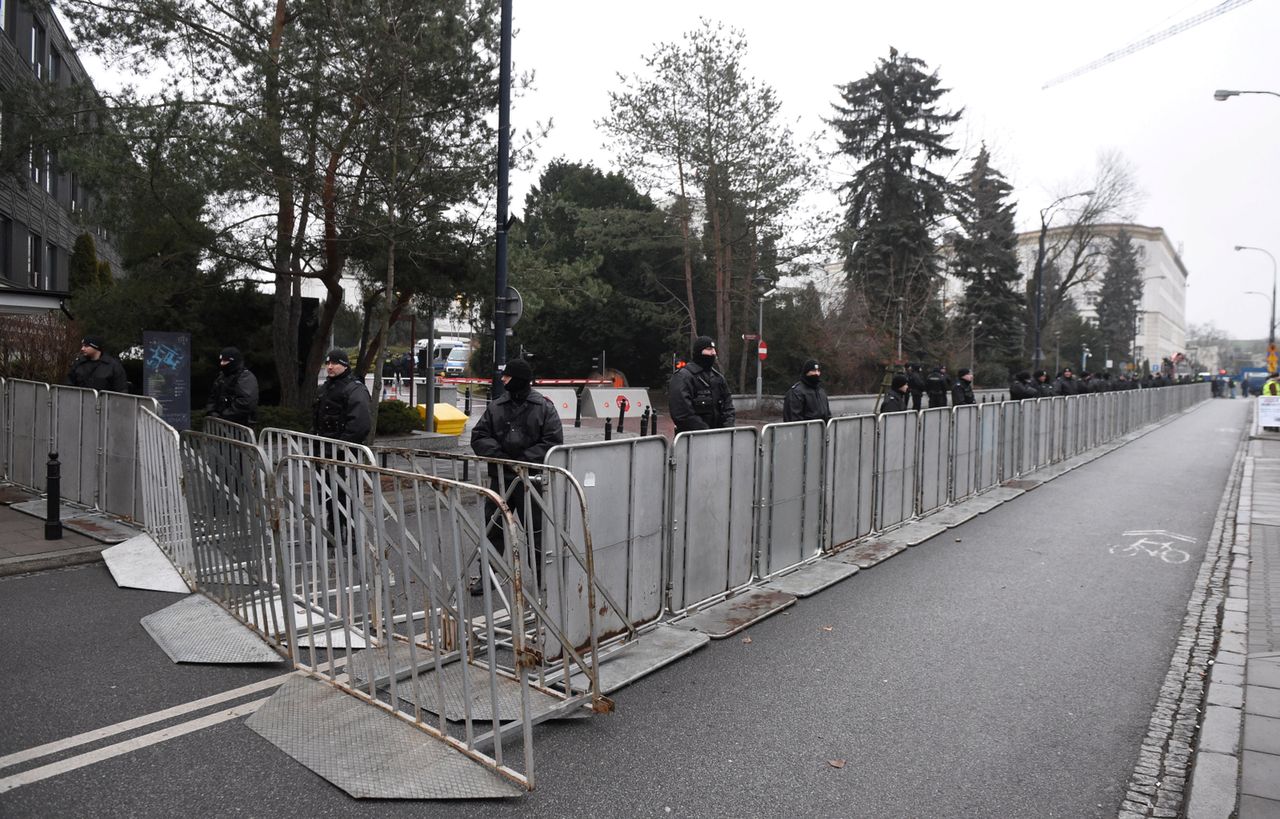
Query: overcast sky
(1210, 170)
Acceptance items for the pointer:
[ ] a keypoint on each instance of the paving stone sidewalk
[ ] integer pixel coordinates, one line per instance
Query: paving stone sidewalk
(1236, 770)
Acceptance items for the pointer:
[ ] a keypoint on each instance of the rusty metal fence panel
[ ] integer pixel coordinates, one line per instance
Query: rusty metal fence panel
(850, 479)
(934, 459)
(966, 448)
(897, 468)
(790, 492)
(118, 475)
(711, 515)
(76, 431)
(987, 468)
(625, 487)
(165, 508)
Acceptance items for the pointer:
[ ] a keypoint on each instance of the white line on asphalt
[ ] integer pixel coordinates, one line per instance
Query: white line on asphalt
(138, 722)
(128, 746)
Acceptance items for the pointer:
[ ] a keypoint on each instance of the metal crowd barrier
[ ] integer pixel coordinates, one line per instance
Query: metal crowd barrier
(465, 668)
(966, 432)
(789, 532)
(77, 439)
(711, 516)
(120, 480)
(1010, 458)
(27, 432)
(168, 520)
(850, 479)
(229, 429)
(987, 469)
(278, 444)
(934, 462)
(897, 444)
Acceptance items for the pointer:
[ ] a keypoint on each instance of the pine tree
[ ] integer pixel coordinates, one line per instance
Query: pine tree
(891, 125)
(984, 256)
(1120, 293)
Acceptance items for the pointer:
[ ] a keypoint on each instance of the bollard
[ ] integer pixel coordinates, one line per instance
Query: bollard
(608, 429)
(53, 482)
(653, 423)
(622, 413)
(467, 407)
(577, 412)
(644, 422)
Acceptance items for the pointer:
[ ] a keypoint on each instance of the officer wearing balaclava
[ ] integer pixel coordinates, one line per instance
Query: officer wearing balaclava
(699, 396)
(234, 395)
(807, 398)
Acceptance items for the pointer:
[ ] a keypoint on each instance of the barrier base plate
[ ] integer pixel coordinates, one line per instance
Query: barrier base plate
(506, 708)
(1022, 484)
(1004, 492)
(96, 525)
(981, 504)
(138, 563)
(915, 533)
(733, 615)
(367, 752)
(643, 656)
(813, 577)
(318, 637)
(952, 516)
(866, 555)
(198, 630)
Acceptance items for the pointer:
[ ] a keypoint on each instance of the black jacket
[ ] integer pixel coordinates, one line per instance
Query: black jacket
(915, 382)
(342, 409)
(699, 399)
(806, 402)
(962, 393)
(1067, 386)
(518, 427)
(234, 396)
(893, 402)
(103, 374)
(1045, 389)
(1022, 390)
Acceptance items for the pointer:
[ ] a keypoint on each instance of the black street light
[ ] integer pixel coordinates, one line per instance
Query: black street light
(1039, 271)
(1222, 94)
(1271, 328)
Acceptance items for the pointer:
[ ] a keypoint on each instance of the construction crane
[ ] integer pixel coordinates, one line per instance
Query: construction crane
(1176, 28)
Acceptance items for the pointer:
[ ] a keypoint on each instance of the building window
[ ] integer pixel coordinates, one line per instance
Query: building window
(36, 157)
(35, 261)
(37, 48)
(51, 173)
(51, 264)
(4, 15)
(75, 193)
(55, 65)
(6, 239)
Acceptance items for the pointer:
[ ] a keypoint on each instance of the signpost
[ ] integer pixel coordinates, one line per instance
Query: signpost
(762, 350)
(166, 375)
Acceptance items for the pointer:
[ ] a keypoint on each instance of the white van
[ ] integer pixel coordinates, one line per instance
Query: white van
(444, 346)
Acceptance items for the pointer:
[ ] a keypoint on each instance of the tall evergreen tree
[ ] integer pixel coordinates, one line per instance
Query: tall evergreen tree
(985, 258)
(1120, 293)
(891, 125)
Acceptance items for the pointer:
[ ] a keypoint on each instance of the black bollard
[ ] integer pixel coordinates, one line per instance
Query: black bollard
(53, 483)
(644, 422)
(622, 413)
(653, 423)
(608, 429)
(467, 406)
(577, 412)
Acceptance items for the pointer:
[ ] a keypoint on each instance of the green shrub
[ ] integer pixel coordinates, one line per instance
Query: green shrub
(397, 418)
(284, 418)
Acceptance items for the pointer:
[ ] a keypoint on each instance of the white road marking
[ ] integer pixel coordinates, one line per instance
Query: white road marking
(128, 746)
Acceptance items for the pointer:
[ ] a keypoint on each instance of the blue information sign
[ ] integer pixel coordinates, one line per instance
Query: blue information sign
(166, 375)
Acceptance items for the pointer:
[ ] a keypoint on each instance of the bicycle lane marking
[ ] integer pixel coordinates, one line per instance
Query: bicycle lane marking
(1154, 543)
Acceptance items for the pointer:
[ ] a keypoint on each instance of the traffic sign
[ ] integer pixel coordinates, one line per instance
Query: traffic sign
(762, 350)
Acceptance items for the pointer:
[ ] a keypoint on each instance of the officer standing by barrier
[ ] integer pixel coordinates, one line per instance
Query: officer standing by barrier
(807, 398)
(342, 405)
(96, 370)
(895, 400)
(915, 385)
(234, 396)
(698, 395)
(962, 390)
(1022, 388)
(936, 387)
(522, 425)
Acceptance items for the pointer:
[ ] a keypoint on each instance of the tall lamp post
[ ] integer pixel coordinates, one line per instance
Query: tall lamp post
(761, 281)
(1039, 271)
(973, 345)
(1271, 328)
(1222, 94)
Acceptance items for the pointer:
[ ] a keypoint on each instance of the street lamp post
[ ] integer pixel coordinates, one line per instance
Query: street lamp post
(1039, 271)
(1271, 328)
(973, 346)
(760, 281)
(1222, 94)
(899, 301)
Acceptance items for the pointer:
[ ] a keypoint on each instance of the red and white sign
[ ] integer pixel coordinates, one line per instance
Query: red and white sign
(762, 350)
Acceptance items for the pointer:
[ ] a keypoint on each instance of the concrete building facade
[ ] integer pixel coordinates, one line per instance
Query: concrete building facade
(1161, 329)
(43, 207)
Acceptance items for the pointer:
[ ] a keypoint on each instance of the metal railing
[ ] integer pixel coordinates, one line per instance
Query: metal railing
(168, 520)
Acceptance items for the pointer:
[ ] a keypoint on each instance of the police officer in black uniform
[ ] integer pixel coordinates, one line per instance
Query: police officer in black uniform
(342, 405)
(807, 398)
(936, 386)
(962, 390)
(895, 400)
(1022, 387)
(521, 425)
(234, 396)
(96, 370)
(698, 395)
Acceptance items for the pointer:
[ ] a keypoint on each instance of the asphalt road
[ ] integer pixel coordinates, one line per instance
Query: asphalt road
(1007, 668)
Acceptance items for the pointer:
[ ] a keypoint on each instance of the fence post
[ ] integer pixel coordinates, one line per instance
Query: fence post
(608, 429)
(466, 405)
(577, 412)
(622, 413)
(653, 428)
(53, 486)
(644, 422)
